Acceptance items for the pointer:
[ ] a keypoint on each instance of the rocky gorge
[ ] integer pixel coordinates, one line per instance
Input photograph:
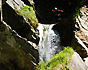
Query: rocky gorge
(28, 32)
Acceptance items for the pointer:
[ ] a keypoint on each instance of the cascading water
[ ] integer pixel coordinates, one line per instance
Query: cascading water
(49, 43)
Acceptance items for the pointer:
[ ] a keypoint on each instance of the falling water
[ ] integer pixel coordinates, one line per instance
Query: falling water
(49, 43)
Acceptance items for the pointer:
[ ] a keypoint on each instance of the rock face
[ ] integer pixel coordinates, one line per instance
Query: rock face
(77, 63)
(15, 52)
(81, 36)
(82, 25)
(17, 22)
(86, 61)
(81, 33)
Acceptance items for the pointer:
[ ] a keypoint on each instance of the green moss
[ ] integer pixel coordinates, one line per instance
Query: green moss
(28, 12)
(59, 61)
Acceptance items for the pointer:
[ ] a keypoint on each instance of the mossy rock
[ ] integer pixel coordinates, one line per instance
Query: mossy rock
(29, 13)
(59, 61)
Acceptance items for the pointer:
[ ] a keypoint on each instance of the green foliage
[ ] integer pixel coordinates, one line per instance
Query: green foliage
(28, 12)
(76, 14)
(60, 60)
(68, 68)
(41, 66)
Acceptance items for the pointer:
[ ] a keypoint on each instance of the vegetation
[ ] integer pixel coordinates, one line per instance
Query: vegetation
(77, 10)
(28, 13)
(76, 14)
(59, 61)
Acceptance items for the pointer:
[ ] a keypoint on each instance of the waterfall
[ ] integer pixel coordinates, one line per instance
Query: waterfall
(49, 43)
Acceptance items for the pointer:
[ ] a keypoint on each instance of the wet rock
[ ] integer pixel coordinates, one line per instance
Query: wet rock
(15, 52)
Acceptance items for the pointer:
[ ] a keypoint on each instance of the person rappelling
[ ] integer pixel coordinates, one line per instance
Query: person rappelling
(57, 13)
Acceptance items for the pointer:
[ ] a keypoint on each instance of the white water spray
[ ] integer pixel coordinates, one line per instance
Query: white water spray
(49, 43)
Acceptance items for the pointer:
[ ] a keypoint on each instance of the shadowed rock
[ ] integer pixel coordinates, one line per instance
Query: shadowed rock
(15, 53)
(18, 23)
